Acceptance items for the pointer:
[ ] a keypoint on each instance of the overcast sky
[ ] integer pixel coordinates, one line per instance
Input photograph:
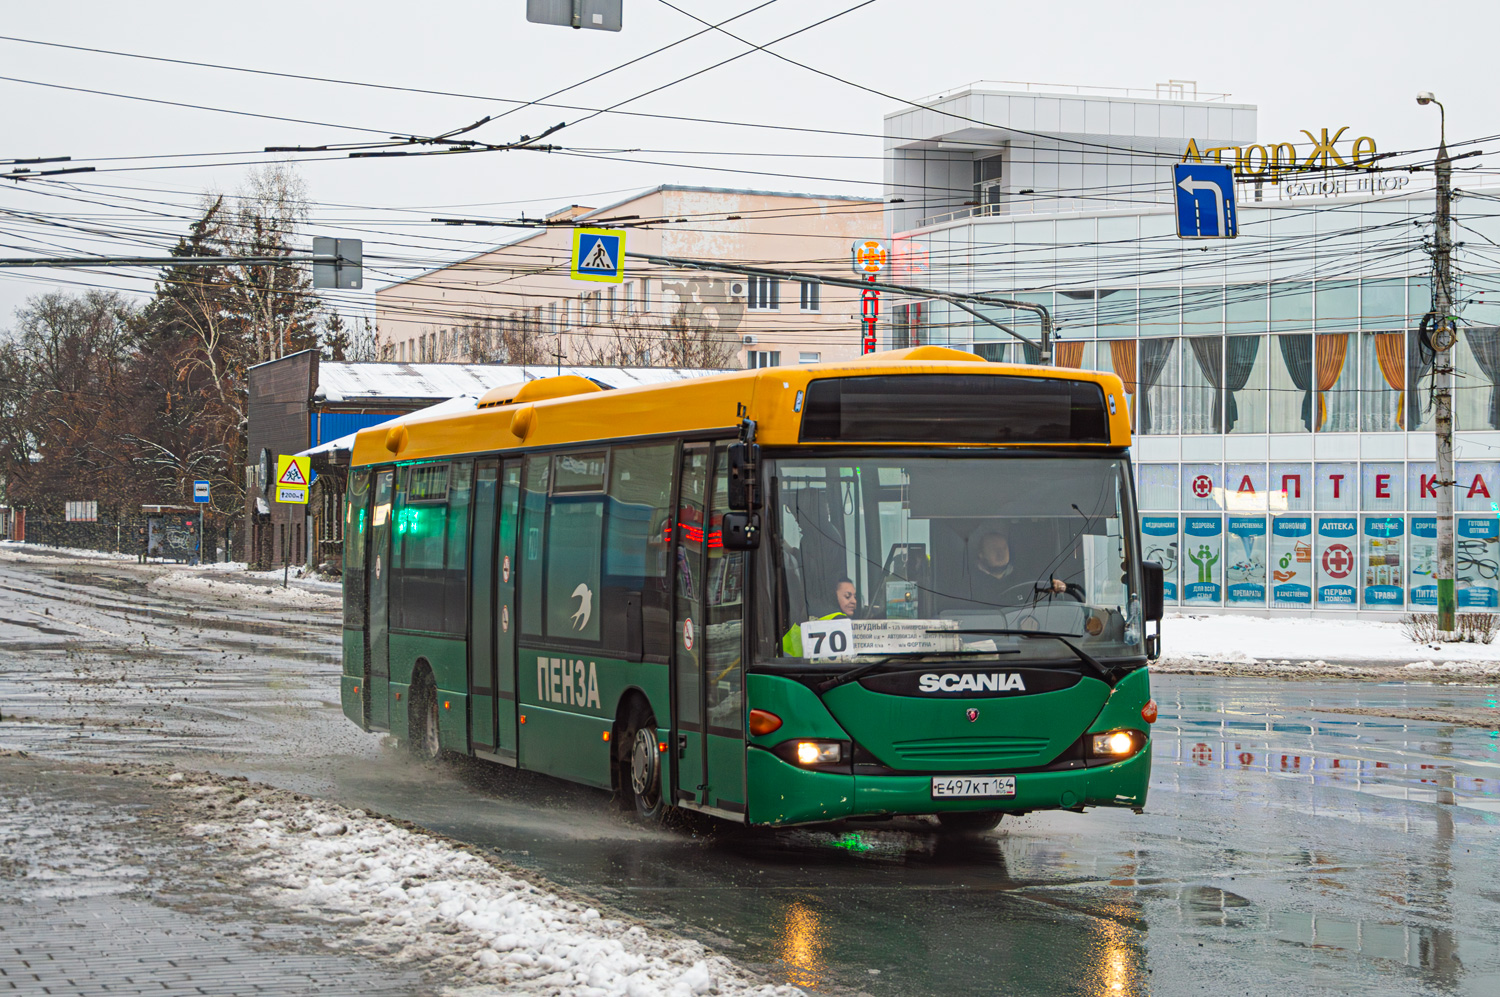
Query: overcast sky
(1306, 67)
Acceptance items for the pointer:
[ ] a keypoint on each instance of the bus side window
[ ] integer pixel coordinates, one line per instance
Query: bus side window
(533, 527)
(356, 529)
(636, 600)
(421, 524)
(456, 553)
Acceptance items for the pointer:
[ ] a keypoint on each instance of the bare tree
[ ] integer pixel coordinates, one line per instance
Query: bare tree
(679, 342)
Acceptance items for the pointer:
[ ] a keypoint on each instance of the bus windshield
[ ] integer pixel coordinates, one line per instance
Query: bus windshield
(948, 556)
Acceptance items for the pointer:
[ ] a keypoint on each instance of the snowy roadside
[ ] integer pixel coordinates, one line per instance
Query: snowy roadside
(1322, 648)
(414, 896)
(228, 580)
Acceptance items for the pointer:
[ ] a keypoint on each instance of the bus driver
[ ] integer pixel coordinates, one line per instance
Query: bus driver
(997, 582)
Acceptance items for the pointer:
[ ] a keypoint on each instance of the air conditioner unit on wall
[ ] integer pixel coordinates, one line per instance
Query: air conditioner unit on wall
(749, 340)
(737, 287)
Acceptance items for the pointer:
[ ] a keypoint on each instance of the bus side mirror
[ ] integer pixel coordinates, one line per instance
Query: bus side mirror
(1153, 596)
(740, 530)
(744, 468)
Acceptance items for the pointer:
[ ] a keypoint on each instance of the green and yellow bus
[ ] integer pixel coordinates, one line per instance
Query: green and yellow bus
(905, 585)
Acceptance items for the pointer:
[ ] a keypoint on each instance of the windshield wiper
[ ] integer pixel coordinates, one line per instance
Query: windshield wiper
(1094, 664)
(869, 666)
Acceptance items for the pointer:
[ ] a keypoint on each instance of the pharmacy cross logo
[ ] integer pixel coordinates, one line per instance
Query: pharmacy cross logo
(1338, 561)
(1203, 486)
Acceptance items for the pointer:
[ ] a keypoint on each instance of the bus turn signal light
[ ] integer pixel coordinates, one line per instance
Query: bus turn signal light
(763, 722)
(1148, 712)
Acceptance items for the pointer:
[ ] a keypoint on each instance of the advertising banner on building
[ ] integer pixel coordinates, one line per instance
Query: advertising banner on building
(1202, 554)
(1422, 573)
(1160, 542)
(1245, 577)
(1336, 564)
(1476, 542)
(1291, 561)
(1381, 560)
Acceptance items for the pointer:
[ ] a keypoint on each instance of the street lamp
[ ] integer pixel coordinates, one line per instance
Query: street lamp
(1443, 336)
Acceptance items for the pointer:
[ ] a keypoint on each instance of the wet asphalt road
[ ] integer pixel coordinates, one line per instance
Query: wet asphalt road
(1286, 849)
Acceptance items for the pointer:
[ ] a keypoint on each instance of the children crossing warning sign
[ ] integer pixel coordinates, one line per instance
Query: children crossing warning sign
(292, 478)
(599, 254)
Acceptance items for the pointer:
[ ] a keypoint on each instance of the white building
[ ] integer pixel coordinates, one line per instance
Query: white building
(1279, 384)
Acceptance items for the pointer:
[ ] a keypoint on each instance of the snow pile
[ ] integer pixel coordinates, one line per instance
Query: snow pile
(43, 552)
(419, 897)
(264, 589)
(1297, 645)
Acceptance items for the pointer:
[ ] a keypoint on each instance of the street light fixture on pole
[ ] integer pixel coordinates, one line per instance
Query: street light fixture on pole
(1443, 333)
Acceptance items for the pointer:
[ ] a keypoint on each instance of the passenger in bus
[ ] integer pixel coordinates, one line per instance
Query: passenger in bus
(997, 581)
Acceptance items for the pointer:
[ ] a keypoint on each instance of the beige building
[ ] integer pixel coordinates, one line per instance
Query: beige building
(518, 302)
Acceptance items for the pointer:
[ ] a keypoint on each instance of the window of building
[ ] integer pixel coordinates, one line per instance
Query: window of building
(1119, 356)
(645, 294)
(1115, 312)
(1336, 369)
(811, 291)
(1158, 377)
(613, 294)
(1075, 313)
(1383, 379)
(989, 182)
(1476, 400)
(1202, 311)
(1291, 383)
(805, 357)
(629, 291)
(764, 293)
(762, 358)
(552, 325)
(1202, 384)
(1419, 359)
(1247, 366)
(1161, 311)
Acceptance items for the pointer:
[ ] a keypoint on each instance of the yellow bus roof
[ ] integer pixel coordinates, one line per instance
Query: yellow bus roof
(569, 409)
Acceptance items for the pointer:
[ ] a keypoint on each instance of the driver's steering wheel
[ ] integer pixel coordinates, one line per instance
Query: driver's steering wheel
(1036, 590)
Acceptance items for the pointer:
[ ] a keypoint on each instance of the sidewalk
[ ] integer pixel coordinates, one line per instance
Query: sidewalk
(103, 896)
(135, 880)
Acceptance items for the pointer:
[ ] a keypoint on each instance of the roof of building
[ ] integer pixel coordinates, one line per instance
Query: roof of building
(377, 383)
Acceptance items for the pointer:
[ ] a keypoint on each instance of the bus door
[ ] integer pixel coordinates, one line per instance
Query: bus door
(378, 557)
(482, 577)
(506, 623)
(707, 677)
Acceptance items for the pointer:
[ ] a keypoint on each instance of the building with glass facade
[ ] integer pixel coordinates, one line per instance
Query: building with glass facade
(1279, 383)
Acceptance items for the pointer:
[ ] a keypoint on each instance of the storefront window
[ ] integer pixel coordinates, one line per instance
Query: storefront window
(1245, 488)
(1158, 377)
(1115, 311)
(1419, 379)
(1421, 569)
(1291, 561)
(1421, 486)
(1202, 383)
(1476, 486)
(1383, 376)
(1476, 399)
(1160, 541)
(1380, 487)
(1247, 365)
(1291, 383)
(1202, 559)
(1336, 487)
(1476, 544)
(1381, 562)
(1337, 373)
(1160, 311)
(1335, 565)
(1158, 487)
(1245, 575)
(1291, 487)
(1202, 487)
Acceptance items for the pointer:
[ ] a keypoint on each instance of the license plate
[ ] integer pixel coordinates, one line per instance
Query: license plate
(954, 786)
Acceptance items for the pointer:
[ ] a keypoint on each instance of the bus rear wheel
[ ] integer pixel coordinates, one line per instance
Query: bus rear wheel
(642, 767)
(422, 734)
(970, 822)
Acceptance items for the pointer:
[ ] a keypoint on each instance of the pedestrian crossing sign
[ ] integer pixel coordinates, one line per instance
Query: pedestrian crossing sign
(599, 254)
(292, 479)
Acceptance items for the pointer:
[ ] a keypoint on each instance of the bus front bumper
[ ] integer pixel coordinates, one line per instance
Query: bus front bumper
(782, 793)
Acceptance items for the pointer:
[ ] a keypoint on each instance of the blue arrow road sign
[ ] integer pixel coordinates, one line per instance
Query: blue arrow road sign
(1205, 201)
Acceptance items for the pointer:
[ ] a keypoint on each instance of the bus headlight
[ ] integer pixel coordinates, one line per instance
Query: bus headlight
(819, 752)
(1116, 744)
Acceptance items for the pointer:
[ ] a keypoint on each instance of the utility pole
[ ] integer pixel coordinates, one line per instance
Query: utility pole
(1444, 336)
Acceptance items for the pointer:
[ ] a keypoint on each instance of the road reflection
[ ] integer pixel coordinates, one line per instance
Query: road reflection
(801, 941)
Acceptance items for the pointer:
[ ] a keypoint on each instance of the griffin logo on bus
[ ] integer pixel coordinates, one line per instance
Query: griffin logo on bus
(567, 681)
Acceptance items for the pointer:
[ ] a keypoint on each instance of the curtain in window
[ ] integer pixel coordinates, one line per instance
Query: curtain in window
(1332, 348)
(1390, 355)
(1419, 364)
(1122, 359)
(1208, 350)
(1484, 343)
(1032, 354)
(1154, 354)
(1068, 354)
(1296, 353)
(1239, 362)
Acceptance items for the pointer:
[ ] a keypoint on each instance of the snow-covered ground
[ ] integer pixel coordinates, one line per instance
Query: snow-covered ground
(1356, 648)
(420, 897)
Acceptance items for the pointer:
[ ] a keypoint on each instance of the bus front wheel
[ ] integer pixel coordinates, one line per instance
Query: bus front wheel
(643, 766)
